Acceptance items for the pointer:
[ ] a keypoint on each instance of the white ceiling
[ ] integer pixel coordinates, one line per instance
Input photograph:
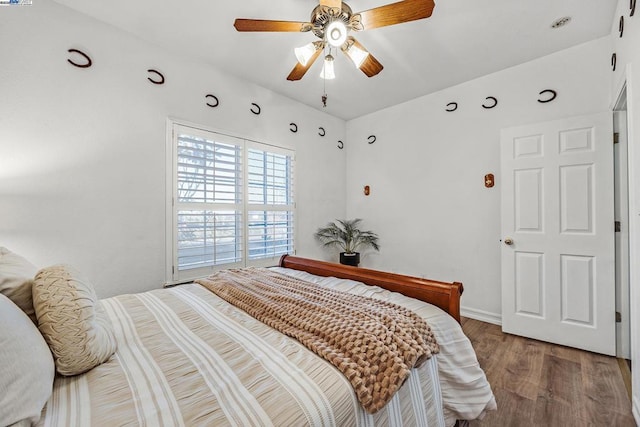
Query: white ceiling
(462, 40)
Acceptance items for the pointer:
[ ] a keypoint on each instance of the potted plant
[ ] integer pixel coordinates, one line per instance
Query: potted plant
(346, 235)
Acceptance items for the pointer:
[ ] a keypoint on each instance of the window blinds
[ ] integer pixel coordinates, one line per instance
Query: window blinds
(233, 202)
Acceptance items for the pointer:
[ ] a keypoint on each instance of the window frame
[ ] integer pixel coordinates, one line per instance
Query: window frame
(173, 275)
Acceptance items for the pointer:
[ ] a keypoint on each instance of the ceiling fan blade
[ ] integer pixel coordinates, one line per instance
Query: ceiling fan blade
(300, 70)
(355, 51)
(371, 66)
(267, 25)
(332, 3)
(396, 13)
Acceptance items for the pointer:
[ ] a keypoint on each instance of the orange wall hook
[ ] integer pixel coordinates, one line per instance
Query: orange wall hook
(489, 180)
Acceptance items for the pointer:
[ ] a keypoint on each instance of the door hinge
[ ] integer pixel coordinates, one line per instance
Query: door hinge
(618, 317)
(616, 137)
(617, 226)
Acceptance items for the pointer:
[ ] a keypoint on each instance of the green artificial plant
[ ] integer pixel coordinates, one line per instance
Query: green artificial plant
(346, 235)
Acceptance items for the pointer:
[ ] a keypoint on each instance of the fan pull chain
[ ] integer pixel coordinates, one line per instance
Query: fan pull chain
(324, 83)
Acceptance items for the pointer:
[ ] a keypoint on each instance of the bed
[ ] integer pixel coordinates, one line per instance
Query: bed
(184, 356)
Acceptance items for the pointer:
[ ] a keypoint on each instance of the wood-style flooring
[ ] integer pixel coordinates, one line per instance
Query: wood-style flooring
(541, 384)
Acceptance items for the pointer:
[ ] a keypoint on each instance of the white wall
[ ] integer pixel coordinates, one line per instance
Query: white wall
(82, 151)
(628, 70)
(428, 201)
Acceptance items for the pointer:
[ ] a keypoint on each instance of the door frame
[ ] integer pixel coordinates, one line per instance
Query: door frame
(633, 150)
(621, 188)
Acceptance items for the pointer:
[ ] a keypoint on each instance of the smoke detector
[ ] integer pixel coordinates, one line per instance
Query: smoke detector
(561, 22)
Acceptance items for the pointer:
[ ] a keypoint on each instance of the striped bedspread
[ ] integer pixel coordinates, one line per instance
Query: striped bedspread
(466, 394)
(187, 358)
(374, 343)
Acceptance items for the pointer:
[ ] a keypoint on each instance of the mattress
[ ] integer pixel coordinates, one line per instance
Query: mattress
(186, 357)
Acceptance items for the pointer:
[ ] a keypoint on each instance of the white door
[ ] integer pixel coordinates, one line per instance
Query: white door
(558, 270)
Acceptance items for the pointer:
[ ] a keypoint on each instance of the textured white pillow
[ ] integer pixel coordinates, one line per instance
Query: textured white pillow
(71, 320)
(16, 279)
(26, 367)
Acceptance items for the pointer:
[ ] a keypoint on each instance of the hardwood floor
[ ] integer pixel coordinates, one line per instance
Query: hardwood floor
(541, 384)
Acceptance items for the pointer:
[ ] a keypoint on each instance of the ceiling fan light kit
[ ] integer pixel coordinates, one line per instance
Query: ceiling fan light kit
(331, 21)
(336, 33)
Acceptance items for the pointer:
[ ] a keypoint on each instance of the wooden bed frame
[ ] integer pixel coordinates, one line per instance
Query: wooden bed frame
(441, 294)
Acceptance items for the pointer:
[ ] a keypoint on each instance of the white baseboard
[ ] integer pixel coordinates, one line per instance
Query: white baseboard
(483, 316)
(636, 409)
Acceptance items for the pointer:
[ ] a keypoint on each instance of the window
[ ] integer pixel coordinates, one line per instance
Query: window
(232, 202)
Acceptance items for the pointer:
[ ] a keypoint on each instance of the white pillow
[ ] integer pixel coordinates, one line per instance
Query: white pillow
(16, 280)
(26, 367)
(71, 320)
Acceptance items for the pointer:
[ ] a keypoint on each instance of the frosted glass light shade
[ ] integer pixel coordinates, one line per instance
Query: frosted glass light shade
(357, 55)
(304, 53)
(328, 72)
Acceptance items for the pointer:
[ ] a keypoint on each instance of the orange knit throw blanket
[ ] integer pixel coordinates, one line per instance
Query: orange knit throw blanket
(373, 343)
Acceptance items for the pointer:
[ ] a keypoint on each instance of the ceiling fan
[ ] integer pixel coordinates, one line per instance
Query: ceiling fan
(331, 21)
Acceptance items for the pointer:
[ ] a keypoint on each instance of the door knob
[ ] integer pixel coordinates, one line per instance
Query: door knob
(508, 241)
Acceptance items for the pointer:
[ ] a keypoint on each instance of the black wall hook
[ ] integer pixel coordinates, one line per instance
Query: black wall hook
(614, 61)
(490, 98)
(257, 110)
(217, 102)
(372, 139)
(452, 106)
(157, 73)
(87, 63)
(293, 128)
(322, 131)
(551, 98)
(340, 145)
(621, 25)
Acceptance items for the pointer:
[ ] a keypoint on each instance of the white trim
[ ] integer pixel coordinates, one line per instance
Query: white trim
(483, 316)
(634, 239)
(168, 191)
(621, 187)
(225, 132)
(620, 86)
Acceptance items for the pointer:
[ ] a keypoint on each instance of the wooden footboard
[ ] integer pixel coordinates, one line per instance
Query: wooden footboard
(441, 294)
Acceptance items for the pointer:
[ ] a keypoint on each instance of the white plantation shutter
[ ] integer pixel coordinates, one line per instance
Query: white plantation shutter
(232, 203)
(270, 206)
